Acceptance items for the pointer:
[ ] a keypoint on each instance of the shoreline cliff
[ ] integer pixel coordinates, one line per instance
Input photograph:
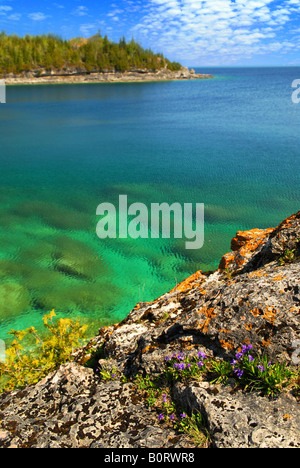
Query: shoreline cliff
(131, 76)
(113, 394)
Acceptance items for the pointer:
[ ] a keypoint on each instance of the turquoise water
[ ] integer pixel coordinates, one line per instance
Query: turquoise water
(231, 143)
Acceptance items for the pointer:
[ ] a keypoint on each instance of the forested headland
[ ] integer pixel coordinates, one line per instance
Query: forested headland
(51, 53)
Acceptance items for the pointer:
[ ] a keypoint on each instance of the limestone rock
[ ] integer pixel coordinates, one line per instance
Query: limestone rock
(69, 76)
(239, 420)
(69, 410)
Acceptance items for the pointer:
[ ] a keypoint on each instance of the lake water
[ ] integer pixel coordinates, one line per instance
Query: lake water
(231, 143)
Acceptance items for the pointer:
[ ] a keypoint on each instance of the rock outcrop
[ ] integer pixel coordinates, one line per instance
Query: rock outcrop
(105, 77)
(253, 297)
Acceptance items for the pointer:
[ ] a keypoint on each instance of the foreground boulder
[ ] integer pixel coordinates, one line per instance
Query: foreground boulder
(253, 298)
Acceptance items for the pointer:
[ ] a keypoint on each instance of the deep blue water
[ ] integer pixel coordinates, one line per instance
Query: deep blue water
(231, 143)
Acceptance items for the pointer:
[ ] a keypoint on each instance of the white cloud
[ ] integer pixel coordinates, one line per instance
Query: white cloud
(81, 11)
(217, 30)
(14, 17)
(4, 9)
(86, 29)
(38, 16)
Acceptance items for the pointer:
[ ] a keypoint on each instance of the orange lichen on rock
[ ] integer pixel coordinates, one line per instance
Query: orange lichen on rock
(226, 345)
(255, 312)
(226, 261)
(270, 314)
(209, 314)
(188, 283)
(243, 245)
(266, 343)
(250, 240)
(258, 273)
(278, 278)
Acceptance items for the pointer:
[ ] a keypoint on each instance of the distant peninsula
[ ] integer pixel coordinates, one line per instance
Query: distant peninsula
(50, 59)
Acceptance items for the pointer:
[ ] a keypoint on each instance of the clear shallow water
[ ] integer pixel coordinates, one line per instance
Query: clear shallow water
(231, 143)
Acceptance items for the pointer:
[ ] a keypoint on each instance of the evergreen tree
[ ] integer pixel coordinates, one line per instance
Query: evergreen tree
(50, 52)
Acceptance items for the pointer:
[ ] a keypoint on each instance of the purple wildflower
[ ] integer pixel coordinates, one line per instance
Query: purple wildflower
(160, 417)
(183, 415)
(165, 398)
(172, 417)
(200, 364)
(180, 366)
(239, 355)
(261, 368)
(201, 355)
(246, 348)
(251, 359)
(238, 372)
(179, 356)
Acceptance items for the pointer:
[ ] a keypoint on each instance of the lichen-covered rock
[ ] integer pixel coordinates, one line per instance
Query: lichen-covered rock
(69, 410)
(253, 297)
(239, 420)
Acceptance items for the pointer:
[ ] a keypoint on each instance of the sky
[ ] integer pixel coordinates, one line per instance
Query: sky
(194, 32)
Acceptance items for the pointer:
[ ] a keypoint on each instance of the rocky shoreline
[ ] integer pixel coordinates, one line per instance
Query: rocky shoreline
(73, 77)
(253, 298)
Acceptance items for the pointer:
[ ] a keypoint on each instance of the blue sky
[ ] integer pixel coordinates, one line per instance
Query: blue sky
(194, 32)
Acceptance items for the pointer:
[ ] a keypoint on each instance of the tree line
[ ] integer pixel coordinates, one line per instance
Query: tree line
(96, 54)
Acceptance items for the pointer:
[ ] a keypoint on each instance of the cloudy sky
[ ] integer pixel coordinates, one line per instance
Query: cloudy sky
(194, 32)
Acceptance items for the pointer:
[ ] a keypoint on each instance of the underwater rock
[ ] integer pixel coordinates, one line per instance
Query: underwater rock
(83, 297)
(74, 258)
(14, 299)
(53, 215)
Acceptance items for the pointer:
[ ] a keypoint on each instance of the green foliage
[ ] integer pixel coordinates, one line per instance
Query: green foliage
(183, 368)
(158, 396)
(106, 374)
(259, 374)
(173, 66)
(24, 368)
(220, 370)
(194, 427)
(149, 388)
(251, 373)
(50, 52)
(289, 256)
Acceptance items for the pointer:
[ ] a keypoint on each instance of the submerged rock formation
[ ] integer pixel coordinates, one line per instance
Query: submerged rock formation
(253, 297)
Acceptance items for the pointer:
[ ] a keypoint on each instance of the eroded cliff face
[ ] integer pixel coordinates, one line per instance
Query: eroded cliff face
(253, 298)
